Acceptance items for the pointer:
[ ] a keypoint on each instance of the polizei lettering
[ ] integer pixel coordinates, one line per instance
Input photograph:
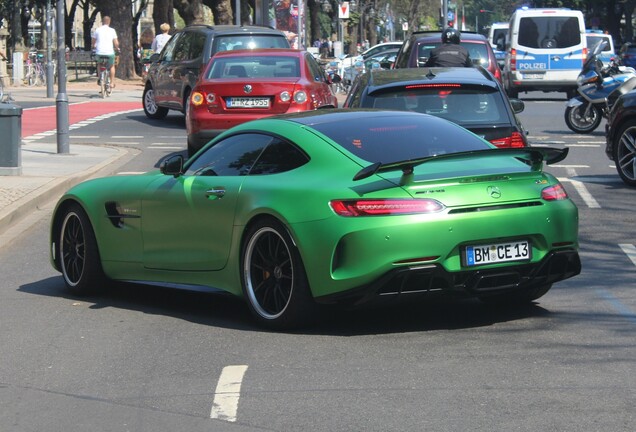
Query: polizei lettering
(532, 66)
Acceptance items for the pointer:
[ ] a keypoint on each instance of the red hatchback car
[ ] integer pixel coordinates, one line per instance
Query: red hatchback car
(241, 85)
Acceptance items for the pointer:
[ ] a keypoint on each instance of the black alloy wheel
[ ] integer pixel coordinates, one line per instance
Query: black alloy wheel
(625, 153)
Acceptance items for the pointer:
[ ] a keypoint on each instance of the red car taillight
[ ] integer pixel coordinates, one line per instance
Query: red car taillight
(554, 193)
(199, 98)
(513, 141)
(385, 207)
(513, 59)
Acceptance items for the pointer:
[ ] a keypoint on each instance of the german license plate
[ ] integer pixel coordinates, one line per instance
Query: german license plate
(533, 76)
(243, 102)
(497, 253)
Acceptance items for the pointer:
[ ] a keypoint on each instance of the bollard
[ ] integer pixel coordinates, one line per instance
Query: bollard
(11, 130)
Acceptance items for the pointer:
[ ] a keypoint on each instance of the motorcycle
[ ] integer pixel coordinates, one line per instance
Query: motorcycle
(598, 89)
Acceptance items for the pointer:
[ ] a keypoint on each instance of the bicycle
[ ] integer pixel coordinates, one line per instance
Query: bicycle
(103, 76)
(35, 75)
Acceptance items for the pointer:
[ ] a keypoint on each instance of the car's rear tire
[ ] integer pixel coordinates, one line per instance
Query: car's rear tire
(577, 122)
(624, 153)
(78, 253)
(273, 277)
(151, 109)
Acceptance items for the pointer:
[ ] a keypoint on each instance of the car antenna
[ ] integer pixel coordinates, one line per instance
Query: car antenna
(430, 74)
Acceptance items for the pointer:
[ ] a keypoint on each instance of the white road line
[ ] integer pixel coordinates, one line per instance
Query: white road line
(122, 143)
(570, 166)
(582, 190)
(583, 145)
(131, 172)
(228, 391)
(166, 147)
(126, 136)
(630, 251)
(84, 136)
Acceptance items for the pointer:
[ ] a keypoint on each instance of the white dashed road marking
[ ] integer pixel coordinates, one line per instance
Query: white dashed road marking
(582, 190)
(228, 391)
(630, 251)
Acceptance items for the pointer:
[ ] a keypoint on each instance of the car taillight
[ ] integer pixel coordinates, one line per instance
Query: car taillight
(385, 207)
(497, 73)
(584, 56)
(199, 98)
(300, 97)
(513, 59)
(554, 193)
(513, 141)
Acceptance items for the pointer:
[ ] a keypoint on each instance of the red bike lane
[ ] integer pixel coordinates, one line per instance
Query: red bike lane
(44, 119)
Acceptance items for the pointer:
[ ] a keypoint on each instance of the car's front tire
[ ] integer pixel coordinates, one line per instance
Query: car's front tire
(273, 277)
(624, 153)
(78, 253)
(151, 109)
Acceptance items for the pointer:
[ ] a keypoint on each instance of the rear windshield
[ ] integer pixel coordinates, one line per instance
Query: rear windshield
(464, 105)
(255, 67)
(554, 32)
(499, 36)
(478, 52)
(394, 138)
(229, 43)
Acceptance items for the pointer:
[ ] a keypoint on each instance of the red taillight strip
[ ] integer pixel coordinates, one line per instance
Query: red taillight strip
(412, 86)
(513, 141)
(554, 193)
(385, 207)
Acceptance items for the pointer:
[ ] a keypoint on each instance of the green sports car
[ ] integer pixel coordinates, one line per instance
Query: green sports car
(329, 206)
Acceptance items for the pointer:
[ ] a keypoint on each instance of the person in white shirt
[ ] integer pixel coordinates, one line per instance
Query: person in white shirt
(162, 38)
(105, 44)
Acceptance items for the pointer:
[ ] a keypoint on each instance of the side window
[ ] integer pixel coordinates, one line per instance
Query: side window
(403, 56)
(233, 156)
(279, 156)
(168, 52)
(314, 68)
(182, 48)
(197, 45)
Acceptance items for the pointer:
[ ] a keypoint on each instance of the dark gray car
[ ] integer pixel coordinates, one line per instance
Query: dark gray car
(468, 96)
(175, 71)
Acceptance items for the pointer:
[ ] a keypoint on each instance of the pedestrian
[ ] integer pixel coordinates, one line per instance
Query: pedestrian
(162, 38)
(105, 44)
(450, 53)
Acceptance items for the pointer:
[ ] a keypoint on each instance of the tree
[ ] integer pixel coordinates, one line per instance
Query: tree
(162, 12)
(222, 11)
(190, 10)
(120, 12)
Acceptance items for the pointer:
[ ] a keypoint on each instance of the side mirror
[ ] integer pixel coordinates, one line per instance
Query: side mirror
(517, 105)
(172, 166)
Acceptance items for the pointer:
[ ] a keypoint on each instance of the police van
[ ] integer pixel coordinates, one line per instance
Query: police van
(545, 51)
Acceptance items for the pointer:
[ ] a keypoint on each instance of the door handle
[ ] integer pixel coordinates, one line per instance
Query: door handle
(216, 193)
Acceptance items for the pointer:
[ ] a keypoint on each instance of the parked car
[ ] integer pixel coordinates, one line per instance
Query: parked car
(470, 97)
(417, 48)
(174, 72)
(628, 54)
(620, 135)
(241, 85)
(328, 206)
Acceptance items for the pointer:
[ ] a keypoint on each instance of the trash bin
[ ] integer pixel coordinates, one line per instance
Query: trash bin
(10, 139)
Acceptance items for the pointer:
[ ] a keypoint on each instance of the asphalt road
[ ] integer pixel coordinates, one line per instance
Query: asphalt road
(145, 358)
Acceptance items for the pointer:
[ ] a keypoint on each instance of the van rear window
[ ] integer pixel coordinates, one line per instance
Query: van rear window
(549, 32)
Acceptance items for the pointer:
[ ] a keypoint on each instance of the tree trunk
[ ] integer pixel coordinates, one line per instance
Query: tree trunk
(87, 26)
(222, 11)
(162, 12)
(120, 12)
(190, 10)
(314, 15)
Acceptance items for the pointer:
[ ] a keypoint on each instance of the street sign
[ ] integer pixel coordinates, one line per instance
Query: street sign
(343, 10)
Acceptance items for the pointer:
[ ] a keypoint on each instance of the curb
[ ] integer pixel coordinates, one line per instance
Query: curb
(44, 194)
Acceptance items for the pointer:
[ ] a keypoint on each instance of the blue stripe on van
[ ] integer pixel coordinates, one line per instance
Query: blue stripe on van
(543, 62)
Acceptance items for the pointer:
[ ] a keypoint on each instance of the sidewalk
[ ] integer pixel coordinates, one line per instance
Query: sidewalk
(45, 173)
